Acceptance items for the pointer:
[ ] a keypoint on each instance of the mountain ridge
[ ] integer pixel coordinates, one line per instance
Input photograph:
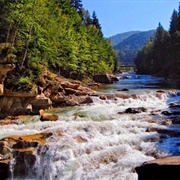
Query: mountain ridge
(117, 38)
(128, 47)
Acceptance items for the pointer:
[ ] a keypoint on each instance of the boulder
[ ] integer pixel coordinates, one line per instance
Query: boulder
(4, 69)
(124, 89)
(82, 99)
(160, 169)
(67, 84)
(25, 160)
(84, 91)
(169, 113)
(49, 117)
(57, 99)
(135, 110)
(40, 102)
(103, 97)
(160, 91)
(105, 78)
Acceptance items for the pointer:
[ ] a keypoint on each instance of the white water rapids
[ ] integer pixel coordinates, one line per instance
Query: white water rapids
(113, 143)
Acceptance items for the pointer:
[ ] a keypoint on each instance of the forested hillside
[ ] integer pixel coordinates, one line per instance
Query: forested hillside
(129, 47)
(59, 35)
(116, 39)
(161, 55)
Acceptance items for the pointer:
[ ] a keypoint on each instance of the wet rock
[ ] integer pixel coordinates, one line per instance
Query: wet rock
(125, 89)
(9, 121)
(5, 150)
(5, 169)
(176, 121)
(80, 139)
(57, 99)
(31, 139)
(25, 144)
(84, 91)
(168, 113)
(124, 77)
(49, 117)
(70, 91)
(25, 151)
(135, 96)
(25, 160)
(78, 115)
(166, 122)
(40, 102)
(103, 97)
(159, 95)
(164, 132)
(160, 169)
(169, 132)
(155, 112)
(174, 105)
(152, 129)
(105, 78)
(160, 91)
(111, 97)
(83, 99)
(135, 110)
(70, 101)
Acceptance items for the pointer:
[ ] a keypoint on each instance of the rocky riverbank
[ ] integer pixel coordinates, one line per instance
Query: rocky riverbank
(52, 92)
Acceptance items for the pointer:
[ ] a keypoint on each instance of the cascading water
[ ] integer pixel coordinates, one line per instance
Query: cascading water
(100, 141)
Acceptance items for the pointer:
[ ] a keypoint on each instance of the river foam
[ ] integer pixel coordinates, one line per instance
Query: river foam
(99, 141)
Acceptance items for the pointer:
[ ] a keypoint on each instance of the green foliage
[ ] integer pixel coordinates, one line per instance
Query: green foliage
(24, 84)
(60, 35)
(161, 56)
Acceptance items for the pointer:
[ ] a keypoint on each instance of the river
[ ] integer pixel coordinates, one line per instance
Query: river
(113, 142)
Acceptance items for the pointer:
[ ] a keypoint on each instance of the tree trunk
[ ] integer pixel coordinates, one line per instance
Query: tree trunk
(29, 37)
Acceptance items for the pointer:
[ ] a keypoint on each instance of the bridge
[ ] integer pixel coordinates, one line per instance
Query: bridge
(128, 67)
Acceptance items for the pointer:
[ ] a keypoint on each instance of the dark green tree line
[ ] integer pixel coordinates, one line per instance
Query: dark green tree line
(161, 55)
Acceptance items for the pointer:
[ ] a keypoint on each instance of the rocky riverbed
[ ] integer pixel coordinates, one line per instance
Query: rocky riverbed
(102, 135)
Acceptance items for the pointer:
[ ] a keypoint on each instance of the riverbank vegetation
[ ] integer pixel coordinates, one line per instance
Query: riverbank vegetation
(161, 54)
(59, 35)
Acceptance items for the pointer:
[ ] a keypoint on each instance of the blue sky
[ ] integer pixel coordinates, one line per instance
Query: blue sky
(118, 16)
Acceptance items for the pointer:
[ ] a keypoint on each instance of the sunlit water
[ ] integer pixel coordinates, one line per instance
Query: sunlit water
(114, 143)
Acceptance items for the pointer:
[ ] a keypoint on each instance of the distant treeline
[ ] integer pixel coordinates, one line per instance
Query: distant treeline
(161, 54)
(58, 34)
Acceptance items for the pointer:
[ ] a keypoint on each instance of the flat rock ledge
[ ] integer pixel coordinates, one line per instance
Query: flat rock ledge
(167, 168)
(19, 154)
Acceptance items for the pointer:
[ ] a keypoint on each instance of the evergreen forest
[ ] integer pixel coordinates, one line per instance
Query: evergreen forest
(161, 54)
(130, 46)
(59, 35)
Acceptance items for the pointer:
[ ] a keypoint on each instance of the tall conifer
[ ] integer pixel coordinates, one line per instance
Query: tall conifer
(174, 23)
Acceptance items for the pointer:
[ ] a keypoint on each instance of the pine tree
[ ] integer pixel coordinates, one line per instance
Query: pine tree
(174, 23)
(178, 26)
(95, 21)
(77, 4)
(86, 18)
(159, 35)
